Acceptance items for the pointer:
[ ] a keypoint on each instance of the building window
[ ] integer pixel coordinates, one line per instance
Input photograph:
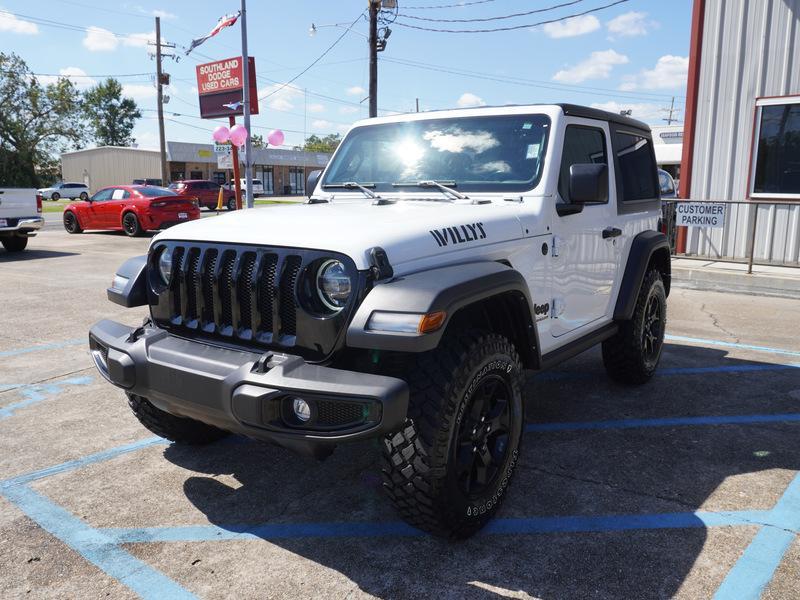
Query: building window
(637, 167)
(776, 153)
(219, 177)
(297, 180)
(196, 175)
(268, 180)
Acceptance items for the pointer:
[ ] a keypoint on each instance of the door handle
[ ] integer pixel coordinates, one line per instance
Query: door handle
(611, 232)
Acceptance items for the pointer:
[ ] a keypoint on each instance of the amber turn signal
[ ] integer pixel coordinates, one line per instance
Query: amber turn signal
(432, 322)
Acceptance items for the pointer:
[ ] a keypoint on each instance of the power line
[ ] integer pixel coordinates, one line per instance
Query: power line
(459, 5)
(498, 18)
(319, 58)
(511, 27)
(529, 82)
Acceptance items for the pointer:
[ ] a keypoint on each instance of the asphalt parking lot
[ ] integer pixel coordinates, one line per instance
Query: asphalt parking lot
(686, 487)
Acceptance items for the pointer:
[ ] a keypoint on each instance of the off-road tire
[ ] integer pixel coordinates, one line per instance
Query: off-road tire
(71, 222)
(419, 462)
(231, 203)
(55, 196)
(14, 243)
(625, 355)
(130, 225)
(177, 429)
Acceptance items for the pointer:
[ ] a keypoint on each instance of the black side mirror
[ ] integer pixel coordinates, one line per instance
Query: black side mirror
(588, 183)
(311, 182)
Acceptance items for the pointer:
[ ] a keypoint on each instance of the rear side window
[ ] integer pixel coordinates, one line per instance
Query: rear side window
(154, 192)
(637, 167)
(582, 145)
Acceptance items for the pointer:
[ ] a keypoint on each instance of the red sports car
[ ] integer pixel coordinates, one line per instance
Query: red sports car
(131, 208)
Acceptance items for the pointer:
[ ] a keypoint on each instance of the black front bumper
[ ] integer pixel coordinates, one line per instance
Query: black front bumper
(248, 392)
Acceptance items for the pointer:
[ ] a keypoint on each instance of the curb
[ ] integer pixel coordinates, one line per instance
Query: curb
(721, 281)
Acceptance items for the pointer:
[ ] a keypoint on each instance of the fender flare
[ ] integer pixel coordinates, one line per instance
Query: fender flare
(447, 289)
(645, 248)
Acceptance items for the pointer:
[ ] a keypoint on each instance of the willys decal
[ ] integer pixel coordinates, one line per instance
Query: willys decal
(459, 234)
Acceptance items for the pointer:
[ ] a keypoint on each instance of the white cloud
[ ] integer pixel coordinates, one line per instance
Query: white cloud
(348, 110)
(11, 23)
(597, 66)
(670, 72)
(75, 74)
(316, 108)
(100, 40)
(138, 91)
(469, 99)
(163, 14)
(356, 90)
(630, 24)
(572, 27)
(650, 113)
(281, 98)
(323, 126)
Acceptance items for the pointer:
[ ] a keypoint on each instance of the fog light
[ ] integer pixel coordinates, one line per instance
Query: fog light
(301, 409)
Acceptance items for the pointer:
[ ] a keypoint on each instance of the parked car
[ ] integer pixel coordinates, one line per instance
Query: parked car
(402, 303)
(65, 190)
(20, 217)
(132, 208)
(667, 184)
(669, 193)
(258, 187)
(206, 191)
(148, 181)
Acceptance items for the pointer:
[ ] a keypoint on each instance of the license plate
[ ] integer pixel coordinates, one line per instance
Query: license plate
(3, 223)
(183, 216)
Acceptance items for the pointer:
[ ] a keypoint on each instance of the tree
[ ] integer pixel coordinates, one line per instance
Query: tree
(327, 144)
(110, 116)
(37, 123)
(257, 141)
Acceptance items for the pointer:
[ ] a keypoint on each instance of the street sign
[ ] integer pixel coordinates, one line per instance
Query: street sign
(224, 161)
(222, 148)
(219, 87)
(700, 214)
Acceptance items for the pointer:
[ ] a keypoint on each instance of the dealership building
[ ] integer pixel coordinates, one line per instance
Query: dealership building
(741, 136)
(282, 172)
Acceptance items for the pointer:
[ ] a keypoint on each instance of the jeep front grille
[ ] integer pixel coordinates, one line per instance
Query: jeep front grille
(247, 295)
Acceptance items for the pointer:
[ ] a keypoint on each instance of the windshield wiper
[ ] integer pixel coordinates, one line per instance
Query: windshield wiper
(354, 185)
(443, 186)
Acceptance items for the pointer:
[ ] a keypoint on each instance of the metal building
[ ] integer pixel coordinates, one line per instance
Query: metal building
(742, 129)
(281, 171)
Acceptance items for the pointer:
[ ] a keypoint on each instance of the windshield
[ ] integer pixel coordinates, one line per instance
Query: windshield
(487, 153)
(155, 192)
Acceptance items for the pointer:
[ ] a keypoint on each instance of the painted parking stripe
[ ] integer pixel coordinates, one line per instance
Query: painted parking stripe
(665, 422)
(32, 394)
(95, 546)
(82, 462)
(672, 371)
(723, 344)
(756, 567)
(53, 346)
(529, 525)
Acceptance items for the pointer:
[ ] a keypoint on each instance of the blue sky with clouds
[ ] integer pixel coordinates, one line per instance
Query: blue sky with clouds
(633, 55)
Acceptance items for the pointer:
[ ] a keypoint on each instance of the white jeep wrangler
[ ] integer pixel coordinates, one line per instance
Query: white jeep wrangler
(439, 256)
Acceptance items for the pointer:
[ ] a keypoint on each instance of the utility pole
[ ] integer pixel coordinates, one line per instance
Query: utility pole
(248, 145)
(374, 7)
(670, 110)
(159, 80)
(417, 104)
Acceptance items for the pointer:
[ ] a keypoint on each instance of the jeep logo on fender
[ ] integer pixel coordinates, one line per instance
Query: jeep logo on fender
(459, 234)
(541, 310)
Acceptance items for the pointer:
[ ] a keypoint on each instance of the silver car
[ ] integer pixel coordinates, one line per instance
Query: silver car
(65, 190)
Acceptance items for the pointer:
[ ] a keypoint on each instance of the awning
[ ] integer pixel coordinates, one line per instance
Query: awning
(668, 154)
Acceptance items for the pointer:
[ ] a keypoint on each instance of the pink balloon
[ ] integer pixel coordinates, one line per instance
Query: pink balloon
(238, 135)
(275, 137)
(221, 134)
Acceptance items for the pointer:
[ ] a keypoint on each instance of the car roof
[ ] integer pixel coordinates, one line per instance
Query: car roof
(193, 181)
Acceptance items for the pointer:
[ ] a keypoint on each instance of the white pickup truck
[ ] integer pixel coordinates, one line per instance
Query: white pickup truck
(20, 217)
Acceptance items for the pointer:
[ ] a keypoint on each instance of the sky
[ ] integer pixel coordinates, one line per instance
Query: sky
(633, 55)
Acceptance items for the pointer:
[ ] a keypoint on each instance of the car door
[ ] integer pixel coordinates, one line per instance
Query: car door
(91, 212)
(112, 209)
(584, 245)
(212, 194)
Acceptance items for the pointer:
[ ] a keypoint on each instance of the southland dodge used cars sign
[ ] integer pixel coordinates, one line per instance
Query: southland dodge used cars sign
(220, 84)
(700, 214)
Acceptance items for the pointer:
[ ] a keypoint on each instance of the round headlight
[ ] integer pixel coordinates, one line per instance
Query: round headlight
(165, 265)
(333, 284)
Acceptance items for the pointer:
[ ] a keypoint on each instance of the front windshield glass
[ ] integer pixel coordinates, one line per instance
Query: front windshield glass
(478, 154)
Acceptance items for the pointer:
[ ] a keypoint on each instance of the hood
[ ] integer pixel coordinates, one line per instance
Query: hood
(407, 230)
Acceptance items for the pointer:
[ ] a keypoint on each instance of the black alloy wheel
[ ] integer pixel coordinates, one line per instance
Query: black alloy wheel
(131, 225)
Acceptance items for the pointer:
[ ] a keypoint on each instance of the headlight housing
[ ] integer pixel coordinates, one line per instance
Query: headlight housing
(333, 284)
(165, 265)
